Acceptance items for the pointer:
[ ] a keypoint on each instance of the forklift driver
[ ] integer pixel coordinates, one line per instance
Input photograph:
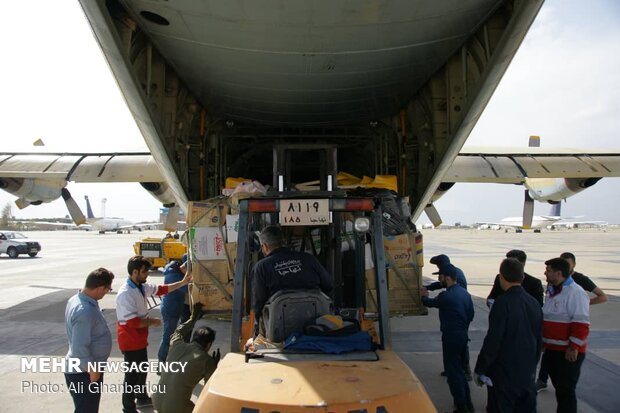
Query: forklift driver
(283, 269)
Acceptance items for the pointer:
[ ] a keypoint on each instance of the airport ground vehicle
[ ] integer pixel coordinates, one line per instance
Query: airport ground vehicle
(160, 251)
(290, 381)
(16, 243)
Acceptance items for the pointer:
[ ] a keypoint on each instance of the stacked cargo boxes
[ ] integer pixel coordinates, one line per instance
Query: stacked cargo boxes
(212, 258)
(403, 276)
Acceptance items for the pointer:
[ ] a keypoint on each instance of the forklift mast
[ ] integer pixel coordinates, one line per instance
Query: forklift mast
(362, 207)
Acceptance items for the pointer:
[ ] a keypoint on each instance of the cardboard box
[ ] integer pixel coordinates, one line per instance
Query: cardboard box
(398, 251)
(207, 214)
(232, 228)
(203, 271)
(402, 278)
(401, 302)
(371, 283)
(212, 298)
(371, 301)
(412, 294)
(371, 280)
(231, 250)
(406, 302)
(206, 243)
(408, 307)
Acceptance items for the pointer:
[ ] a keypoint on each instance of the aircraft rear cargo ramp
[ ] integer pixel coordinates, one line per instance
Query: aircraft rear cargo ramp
(214, 85)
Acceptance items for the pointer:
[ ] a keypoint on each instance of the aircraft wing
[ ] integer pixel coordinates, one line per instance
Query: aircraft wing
(148, 225)
(81, 167)
(514, 165)
(37, 177)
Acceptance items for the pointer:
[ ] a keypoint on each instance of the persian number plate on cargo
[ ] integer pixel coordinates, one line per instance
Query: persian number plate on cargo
(304, 212)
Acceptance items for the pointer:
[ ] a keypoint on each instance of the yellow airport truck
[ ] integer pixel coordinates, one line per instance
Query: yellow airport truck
(160, 251)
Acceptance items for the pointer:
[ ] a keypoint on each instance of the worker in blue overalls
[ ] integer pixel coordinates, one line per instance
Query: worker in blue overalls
(456, 311)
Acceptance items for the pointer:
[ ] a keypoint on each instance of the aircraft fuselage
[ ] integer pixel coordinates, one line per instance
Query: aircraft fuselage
(214, 86)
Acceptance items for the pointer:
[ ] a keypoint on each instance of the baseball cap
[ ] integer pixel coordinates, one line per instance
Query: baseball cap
(447, 270)
(331, 322)
(440, 260)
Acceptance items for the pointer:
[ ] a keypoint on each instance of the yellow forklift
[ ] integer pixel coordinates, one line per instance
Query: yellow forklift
(284, 380)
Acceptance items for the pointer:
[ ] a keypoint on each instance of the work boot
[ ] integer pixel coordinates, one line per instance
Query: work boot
(540, 385)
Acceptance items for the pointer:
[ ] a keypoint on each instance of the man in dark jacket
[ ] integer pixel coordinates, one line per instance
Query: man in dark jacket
(442, 260)
(532, 285)
(511, 349)
(283, 269)
(456, 311)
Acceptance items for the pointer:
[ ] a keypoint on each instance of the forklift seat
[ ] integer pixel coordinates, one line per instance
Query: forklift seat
(289, 311)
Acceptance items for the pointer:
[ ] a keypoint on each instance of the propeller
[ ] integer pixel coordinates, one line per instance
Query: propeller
(72, 206)
(528, 210)
(433, 215)
(172, 219)
(528, 202)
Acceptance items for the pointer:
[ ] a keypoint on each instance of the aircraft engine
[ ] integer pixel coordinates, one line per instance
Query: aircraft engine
(160, 191)
(555, 190)
(441, 190)
(33, 191)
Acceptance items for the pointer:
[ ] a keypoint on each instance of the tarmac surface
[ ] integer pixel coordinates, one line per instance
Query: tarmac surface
(35, 291)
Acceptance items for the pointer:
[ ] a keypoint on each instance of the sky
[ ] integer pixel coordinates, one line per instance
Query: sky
(563, 85)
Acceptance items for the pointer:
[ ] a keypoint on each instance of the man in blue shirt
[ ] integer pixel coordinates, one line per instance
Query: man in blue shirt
(173, 305)
(90, 340)
(456, 311)
(443, 261)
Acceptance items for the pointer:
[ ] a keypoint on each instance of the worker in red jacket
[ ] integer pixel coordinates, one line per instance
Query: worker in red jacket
(133, 327)
(566, 325)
